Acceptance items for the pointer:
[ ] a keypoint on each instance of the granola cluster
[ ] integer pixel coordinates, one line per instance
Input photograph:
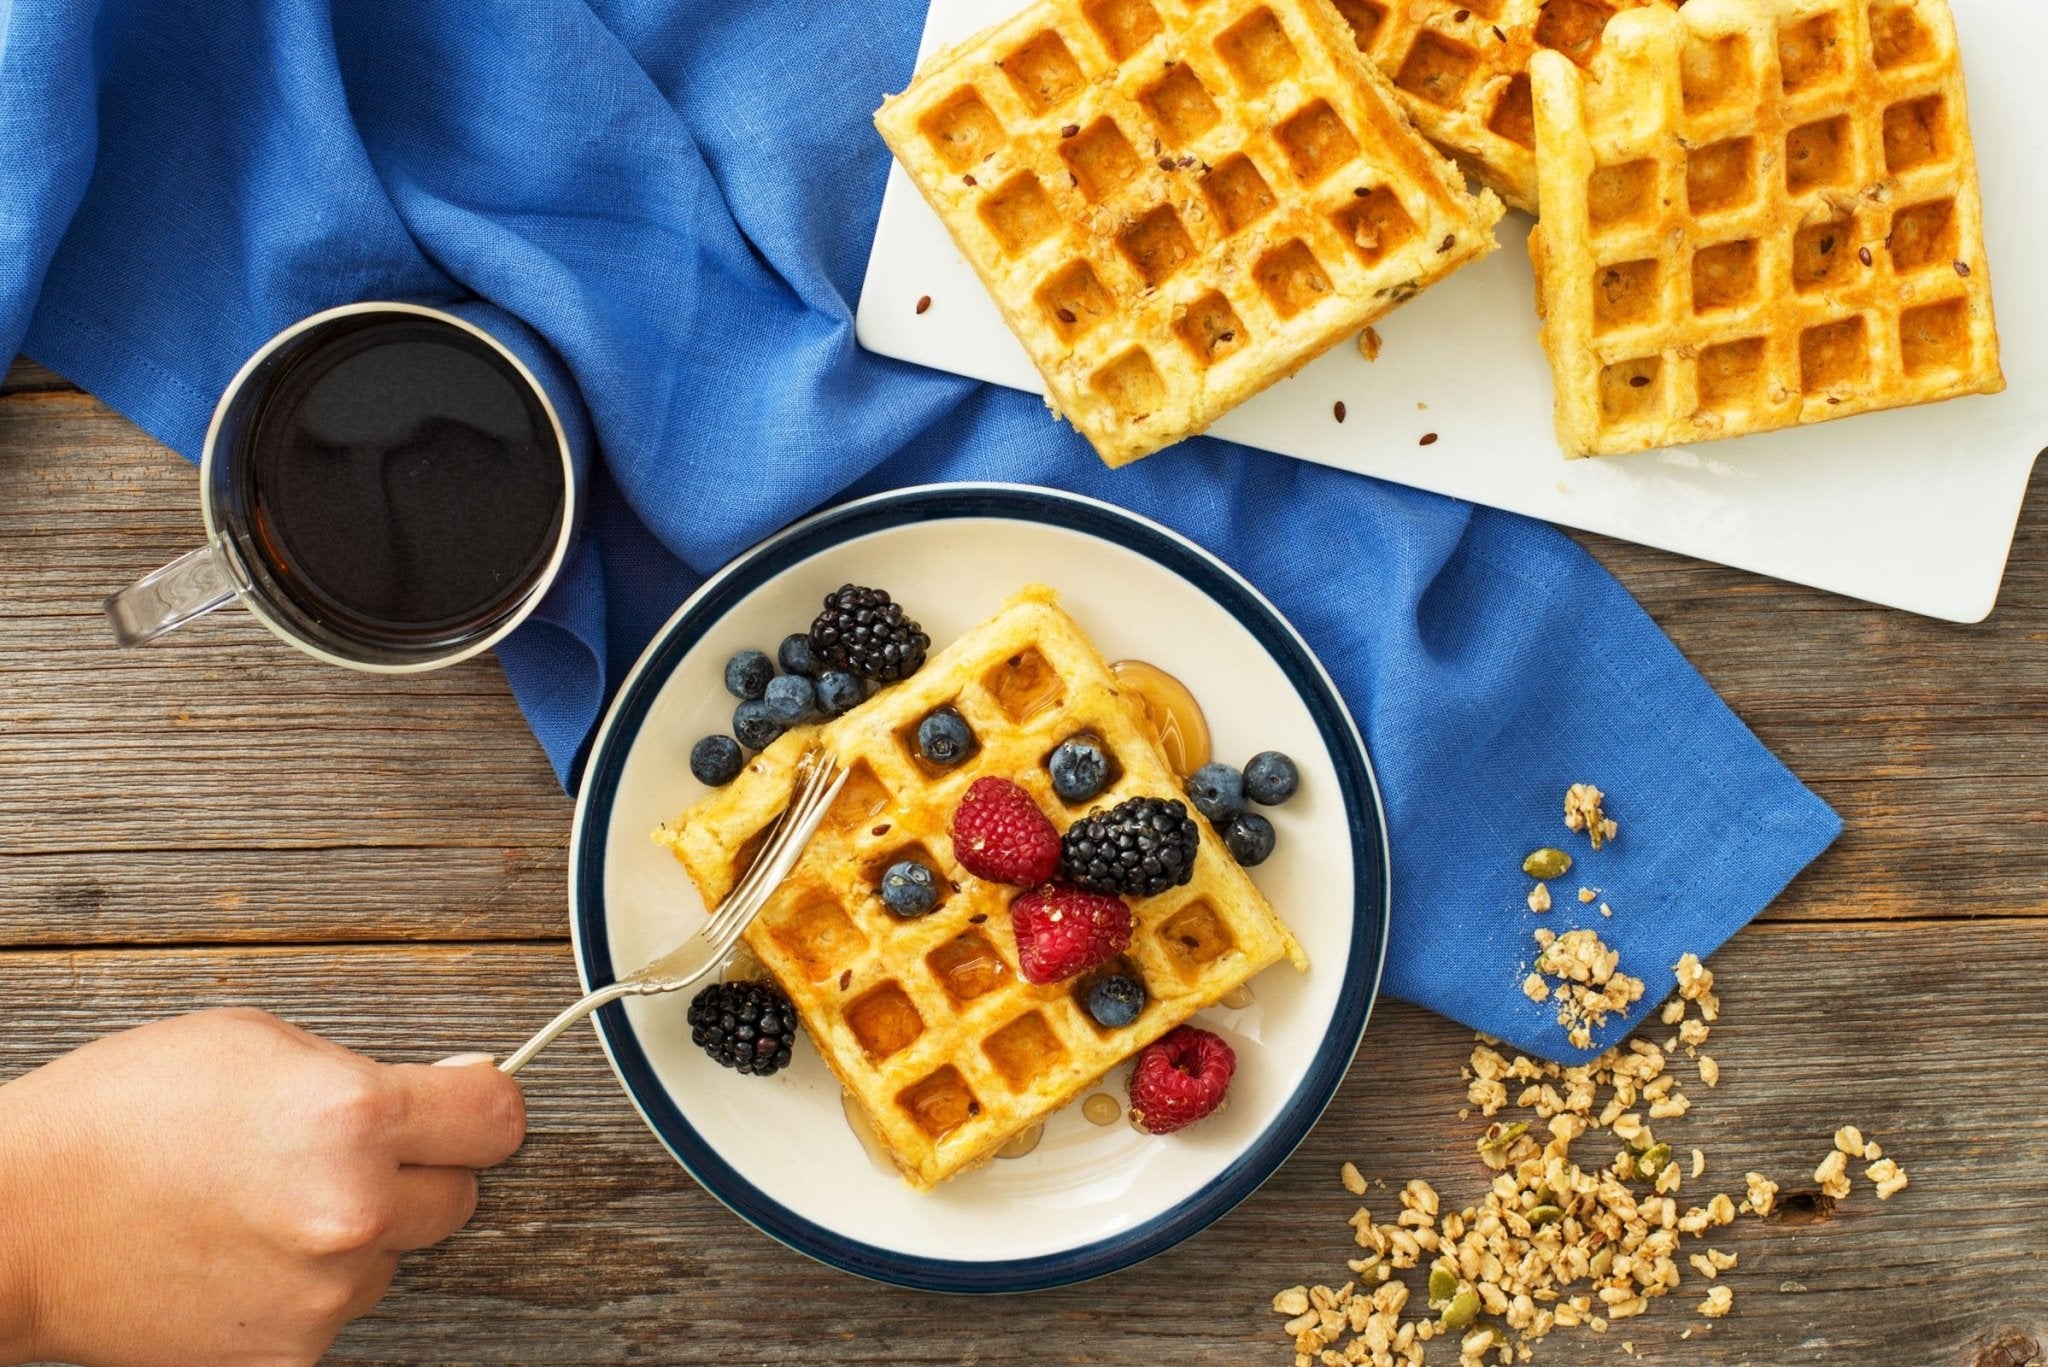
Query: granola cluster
(1833, 1173)
(1556, 1242)
(1589, 985)
(1582, 813)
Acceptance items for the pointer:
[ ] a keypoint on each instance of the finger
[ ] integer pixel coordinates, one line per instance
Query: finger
(428, 1205)
(463, 1117)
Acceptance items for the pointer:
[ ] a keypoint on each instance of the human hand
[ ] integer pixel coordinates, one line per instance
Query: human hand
(225, 1188)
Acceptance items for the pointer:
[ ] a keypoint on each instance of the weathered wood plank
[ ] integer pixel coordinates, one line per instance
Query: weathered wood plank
(444, 892)
(593, 1247)
(25, 375)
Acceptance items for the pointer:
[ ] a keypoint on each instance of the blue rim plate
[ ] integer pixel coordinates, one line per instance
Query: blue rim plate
(955, 530)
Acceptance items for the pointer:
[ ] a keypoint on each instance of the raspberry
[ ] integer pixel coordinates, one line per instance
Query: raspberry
(1062, 930)
(1180, 1077)
(999, 834)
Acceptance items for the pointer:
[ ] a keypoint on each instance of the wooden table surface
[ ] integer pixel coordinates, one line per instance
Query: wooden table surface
(216, 820)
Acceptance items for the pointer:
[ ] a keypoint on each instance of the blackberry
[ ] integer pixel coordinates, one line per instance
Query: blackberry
(1270, 778)
(715, 760)
(1250, 838)
(1079, 767)
(1217, 790)
(789, 698)
(796, 656)
(748, 1026)
(837, 691)
(1116, 1001)
(747, 674)
(863, 632)
(1138, 848)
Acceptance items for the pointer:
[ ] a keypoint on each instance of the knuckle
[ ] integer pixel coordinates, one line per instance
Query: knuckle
(343, 1229)
(328, 1303)
(358, 1110)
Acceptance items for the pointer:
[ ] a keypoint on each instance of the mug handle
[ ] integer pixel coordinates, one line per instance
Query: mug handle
(191, 586)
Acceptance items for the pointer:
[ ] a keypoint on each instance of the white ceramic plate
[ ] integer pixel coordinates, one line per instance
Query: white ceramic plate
(1090, 1199)
(1914, 509)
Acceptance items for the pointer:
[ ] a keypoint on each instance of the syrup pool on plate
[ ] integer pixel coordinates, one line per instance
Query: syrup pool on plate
(1168, 711)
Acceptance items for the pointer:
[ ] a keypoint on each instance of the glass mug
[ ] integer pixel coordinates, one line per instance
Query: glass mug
(386, 486)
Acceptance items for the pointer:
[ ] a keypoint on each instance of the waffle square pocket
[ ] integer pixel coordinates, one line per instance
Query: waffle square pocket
(1175, 203)
(928, 1023)
(1758, 214)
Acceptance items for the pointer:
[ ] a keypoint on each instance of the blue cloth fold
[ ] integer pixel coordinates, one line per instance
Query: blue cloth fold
(666, 206)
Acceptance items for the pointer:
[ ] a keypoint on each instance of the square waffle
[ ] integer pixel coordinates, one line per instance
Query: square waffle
(1758, 214)
(926, 1022)
(1461, 69)
(1177, 202)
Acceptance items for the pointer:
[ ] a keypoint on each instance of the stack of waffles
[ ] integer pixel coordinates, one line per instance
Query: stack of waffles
(928, 1024)
(1754, 214)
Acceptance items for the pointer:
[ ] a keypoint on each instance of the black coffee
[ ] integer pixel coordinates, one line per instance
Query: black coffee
(400, 482)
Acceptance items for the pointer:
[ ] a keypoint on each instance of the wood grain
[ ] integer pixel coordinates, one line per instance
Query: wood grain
(592, 1246)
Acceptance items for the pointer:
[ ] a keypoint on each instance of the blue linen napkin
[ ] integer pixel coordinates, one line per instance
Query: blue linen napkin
(670, 203)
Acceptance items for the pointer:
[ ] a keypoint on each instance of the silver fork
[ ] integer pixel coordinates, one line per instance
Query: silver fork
(818, 781)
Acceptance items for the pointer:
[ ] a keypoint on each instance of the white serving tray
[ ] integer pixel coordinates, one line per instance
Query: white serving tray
(1914, 509)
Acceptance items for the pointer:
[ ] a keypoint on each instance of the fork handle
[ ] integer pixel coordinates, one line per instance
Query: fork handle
(548, 1033)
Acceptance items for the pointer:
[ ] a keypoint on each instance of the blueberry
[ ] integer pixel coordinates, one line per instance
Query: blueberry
(747, 674)
(1250, 838)
(1271, 778)
(716, 760)
(1217, 790)
(790, 698)
(837, 691)
(943, 738)
(796, 655)
(1079, 768)
(909, 889)
(1116, 1001)
(755, 725)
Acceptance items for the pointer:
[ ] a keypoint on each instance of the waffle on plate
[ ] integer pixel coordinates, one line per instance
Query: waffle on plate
(1175, 203)
(1758, 214)
(926, 1022)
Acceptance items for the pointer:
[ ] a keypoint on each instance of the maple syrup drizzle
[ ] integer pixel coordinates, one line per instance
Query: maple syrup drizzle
(1168, 711)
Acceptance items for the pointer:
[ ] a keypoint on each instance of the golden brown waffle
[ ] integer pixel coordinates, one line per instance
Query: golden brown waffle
(1758, 214)
(1177, 202)
(1462, 70)
(926, 1022)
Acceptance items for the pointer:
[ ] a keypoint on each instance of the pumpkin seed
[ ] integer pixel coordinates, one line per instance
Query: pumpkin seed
(1500, 1137)
(1545, 1215)
(1463, 1309)
(1443, 1286)
(1547, 863)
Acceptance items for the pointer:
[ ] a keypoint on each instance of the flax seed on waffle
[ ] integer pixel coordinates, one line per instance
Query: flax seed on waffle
(1461, 68)
(1175, 203)
(927, 1022)
(1758, 214)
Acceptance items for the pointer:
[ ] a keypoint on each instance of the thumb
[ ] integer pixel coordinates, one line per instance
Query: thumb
(466, 1115)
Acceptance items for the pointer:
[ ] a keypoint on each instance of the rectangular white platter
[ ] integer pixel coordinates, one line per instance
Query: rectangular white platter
(1913, 509)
